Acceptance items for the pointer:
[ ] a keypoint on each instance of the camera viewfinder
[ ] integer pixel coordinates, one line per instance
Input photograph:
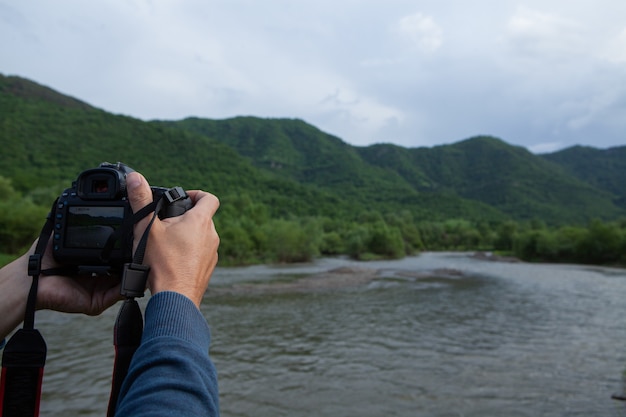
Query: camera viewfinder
(100, 186)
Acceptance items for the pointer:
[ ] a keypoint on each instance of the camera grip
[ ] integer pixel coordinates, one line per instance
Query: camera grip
(177, 202)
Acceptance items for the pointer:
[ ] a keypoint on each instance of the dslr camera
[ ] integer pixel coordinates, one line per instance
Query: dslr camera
(93, 225)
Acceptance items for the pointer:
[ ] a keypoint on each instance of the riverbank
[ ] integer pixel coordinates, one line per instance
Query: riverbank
(342, 273)
(338, 278)
(493, 257)
(330, 278)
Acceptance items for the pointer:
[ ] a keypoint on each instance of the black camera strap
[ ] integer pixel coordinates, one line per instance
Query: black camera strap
(24, 355)
(128, 328)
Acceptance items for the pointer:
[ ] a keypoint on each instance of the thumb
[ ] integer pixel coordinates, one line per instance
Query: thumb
(138, 190)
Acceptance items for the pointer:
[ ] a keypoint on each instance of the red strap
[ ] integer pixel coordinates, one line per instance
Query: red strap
(23, 362)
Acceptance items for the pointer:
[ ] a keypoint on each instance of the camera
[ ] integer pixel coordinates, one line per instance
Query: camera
(93, 220)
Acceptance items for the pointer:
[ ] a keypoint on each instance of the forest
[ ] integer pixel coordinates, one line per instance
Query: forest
(290, 192)
(250, 234)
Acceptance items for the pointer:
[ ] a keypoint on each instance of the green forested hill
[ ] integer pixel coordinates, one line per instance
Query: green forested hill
(48, 139)
(479, 175)
(294, 150)
(509, 178)
(275, 176)
(604, 169)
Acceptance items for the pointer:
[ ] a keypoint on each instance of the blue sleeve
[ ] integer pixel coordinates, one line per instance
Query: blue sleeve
(171, 372)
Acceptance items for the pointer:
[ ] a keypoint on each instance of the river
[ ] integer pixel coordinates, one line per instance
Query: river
(441, 334)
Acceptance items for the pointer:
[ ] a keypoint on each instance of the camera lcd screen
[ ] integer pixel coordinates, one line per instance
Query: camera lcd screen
(90, 227)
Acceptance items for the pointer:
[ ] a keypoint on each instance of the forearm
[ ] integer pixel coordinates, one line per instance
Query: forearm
(171, 372)
(14, 286)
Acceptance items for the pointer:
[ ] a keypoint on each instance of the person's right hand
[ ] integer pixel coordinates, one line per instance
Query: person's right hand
(181, 251)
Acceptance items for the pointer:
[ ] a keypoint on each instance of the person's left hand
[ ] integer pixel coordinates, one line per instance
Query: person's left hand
(81, 294)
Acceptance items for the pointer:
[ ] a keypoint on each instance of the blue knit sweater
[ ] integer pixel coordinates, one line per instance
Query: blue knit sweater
(171, 373)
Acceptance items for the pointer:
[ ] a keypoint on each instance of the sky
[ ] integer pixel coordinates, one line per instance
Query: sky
(543, 74)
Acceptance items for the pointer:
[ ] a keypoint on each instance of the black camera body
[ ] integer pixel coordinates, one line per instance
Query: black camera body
(91, 219)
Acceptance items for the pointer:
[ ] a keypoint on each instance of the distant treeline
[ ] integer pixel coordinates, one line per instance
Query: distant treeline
(250, 235)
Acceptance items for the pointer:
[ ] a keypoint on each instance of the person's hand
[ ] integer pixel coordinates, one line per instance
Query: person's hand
(83, 294)
(86, 294)
(181, 251)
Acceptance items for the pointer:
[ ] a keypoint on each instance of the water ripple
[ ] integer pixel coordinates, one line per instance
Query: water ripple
(499, 339)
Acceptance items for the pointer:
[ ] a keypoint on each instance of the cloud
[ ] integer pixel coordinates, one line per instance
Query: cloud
(551, 71)
(615, 49)
(548, 147)
(421, 30)
(546, 39)
(358, 119)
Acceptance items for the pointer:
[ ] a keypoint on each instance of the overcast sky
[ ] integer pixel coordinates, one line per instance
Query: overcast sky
(545, 74)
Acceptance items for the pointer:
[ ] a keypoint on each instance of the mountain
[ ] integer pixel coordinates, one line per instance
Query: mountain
(294, 150)
(48, 139)
(295, 169)
(298, 151)
(480, 175)
(506, 177)
(604, 169)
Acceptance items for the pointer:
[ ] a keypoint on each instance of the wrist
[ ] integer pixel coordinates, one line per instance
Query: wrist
(182, 282)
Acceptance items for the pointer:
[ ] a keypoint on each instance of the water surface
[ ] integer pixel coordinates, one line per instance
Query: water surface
(496, 339)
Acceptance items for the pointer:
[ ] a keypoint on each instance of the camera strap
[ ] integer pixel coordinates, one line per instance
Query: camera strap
(24, 355)
(128, 328)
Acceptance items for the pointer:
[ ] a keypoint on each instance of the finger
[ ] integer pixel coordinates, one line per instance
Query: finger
(206, 202)
(139, 192)
(139, 196)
